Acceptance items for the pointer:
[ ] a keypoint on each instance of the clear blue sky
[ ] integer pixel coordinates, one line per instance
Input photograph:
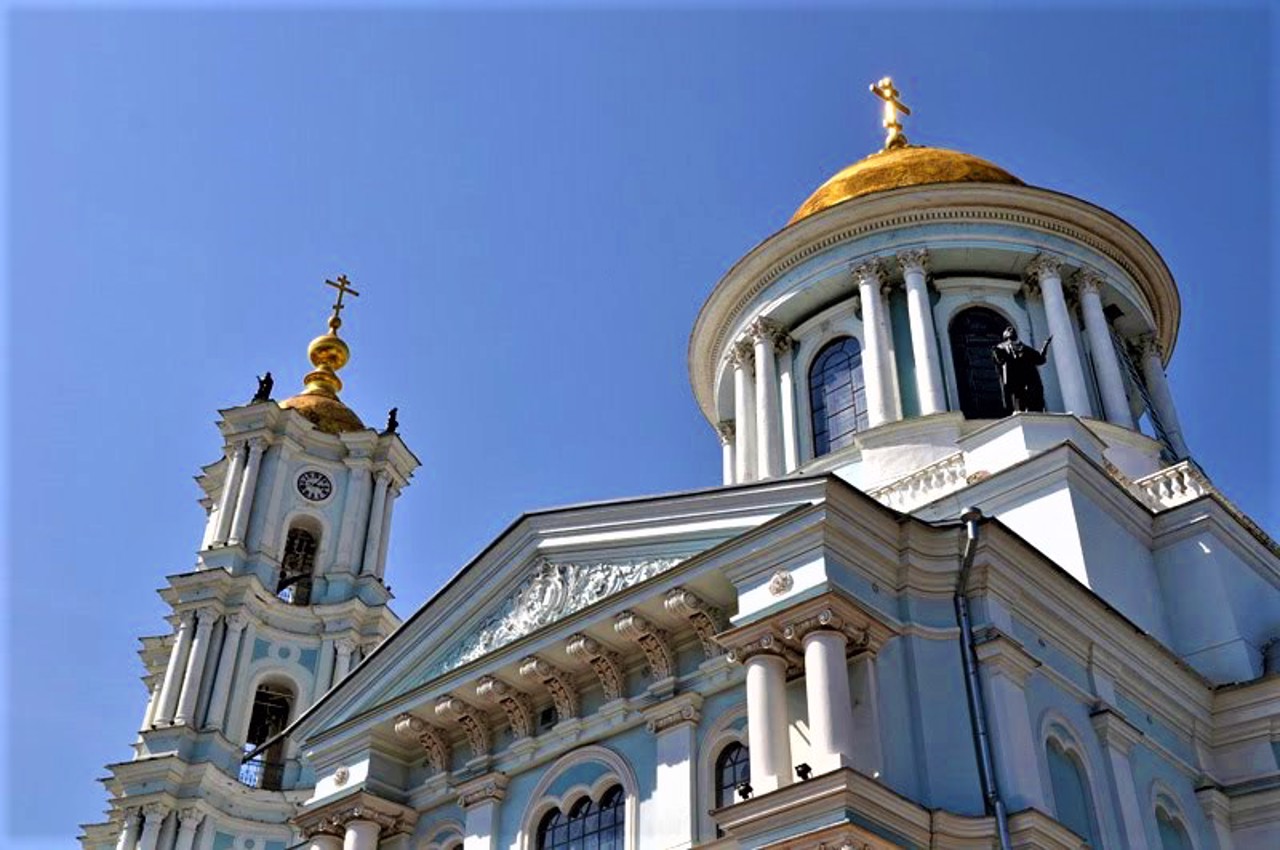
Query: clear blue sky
(533, 206)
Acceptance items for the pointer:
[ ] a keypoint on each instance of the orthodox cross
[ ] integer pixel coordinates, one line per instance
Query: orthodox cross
(343, 286)
(884, 90)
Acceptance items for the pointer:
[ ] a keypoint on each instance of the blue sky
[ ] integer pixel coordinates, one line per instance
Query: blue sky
(533, 205)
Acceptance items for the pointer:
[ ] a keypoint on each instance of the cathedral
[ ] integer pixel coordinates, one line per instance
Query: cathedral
(963, 584)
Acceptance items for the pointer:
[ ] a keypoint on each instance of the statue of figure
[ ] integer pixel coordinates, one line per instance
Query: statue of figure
(1019, 373)
(265, 383)
(392, 422)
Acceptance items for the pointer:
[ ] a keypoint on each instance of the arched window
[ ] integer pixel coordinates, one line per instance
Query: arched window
(1071, 801)
(974, 332)
(837, 395)
(733, 767)
(588, 824)
(296, 567)
(272, 706)
(1173, 835)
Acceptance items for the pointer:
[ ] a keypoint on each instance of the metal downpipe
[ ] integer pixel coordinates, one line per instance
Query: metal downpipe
(971, 518)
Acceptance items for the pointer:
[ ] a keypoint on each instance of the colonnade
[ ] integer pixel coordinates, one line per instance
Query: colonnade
(761, 440)
(156, 826)
(177, 700)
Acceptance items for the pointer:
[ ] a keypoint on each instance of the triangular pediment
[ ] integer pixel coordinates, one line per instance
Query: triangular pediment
(544, 569)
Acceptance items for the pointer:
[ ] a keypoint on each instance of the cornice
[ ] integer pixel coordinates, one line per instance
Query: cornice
(1036, 209)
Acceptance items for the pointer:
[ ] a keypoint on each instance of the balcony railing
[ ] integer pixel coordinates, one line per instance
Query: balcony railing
(924, 485)
(262, 773)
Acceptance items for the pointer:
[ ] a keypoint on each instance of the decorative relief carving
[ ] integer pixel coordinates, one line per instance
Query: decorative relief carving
(491, 786)
(781, 582)
(415, 728)
(706, 619)
(913, 260)
(769, 331)
(340, 776)
(766, 644)
(726, 430)
(602, 662)
(682, 709)
(866, 272)
(742, 355)
(652, 640)
(564, 695)
(1149, 346)
(471, 720)
(550, 593)
(513, 703)
(1089, 281)
(1044, 265)
(827, 620)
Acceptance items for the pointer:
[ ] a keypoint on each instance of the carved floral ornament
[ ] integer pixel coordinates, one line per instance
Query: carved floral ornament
(389, 817)
(550, 593)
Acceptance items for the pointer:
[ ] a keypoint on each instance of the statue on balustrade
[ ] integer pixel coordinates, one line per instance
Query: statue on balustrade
(1019, 367)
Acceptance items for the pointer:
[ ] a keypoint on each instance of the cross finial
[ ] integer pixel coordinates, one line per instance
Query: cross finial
(894, 137)
(344, 287)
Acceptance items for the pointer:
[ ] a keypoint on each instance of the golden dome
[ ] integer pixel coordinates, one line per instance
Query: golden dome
(318, 401)
(908, 165)
(328, 414)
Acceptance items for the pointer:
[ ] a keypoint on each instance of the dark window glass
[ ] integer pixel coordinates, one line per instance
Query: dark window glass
(837, 395)
(974, 332)
(588, 826)
(733, 768)
(272, 705)
(296, 567)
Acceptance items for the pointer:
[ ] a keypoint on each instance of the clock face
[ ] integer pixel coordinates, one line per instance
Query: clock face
(314, 486)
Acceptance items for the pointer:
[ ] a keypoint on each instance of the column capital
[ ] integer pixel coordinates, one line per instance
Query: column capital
(765, 330)
(1044, 265)
(130, 815)
(333, 818)
(1149, 345)
(725, 428)
(826, 620)
(686, 708)
(155, 810)
(913, 260)
(345, 645)
(742, 648)
(186, 618)
(1031, 289)
(1088, 280)
(483, 789)
(237, 621)
(867, 272)
(189, 819)
(473, 722)
(413, 728)
(257, 445)
(564, 693)
(1004, 656)
(383, 477)
(205, 617)
(742, 355)
(1114, 731)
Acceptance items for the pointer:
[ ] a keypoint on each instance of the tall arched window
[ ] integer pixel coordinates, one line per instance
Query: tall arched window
(296, 567)
(837, 395)
(974, 332)
(1173, 835)
(272, 706)
(733, 767)
(599, 826)
(1071, 801)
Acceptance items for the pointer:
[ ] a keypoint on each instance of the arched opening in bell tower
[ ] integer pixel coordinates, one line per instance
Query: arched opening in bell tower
(297, 564)
(974, 332)
(272, 706)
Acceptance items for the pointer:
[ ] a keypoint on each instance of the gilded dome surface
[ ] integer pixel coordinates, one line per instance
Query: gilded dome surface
(327, 414)
(909, 165)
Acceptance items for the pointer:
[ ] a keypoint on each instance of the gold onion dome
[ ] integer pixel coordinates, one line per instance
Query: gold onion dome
(897, 168)
(318, 401)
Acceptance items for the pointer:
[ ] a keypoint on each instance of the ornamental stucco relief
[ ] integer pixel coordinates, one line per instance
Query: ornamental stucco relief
(550, 593)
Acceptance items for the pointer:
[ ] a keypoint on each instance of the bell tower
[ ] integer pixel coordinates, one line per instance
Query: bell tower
(286, 597)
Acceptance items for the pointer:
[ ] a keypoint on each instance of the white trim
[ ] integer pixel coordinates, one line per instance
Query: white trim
(618, 773)
(717, 737)
(449, 830)
(1161, 797)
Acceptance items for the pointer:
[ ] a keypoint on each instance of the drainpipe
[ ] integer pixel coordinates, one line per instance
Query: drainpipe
(973, 686)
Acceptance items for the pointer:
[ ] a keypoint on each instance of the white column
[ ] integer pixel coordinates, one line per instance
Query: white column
(744, 414)
(667, 818)
(726, 430)
(342, 666)
(1115, 403)
(188, 822)
(1039, 333)
(924, 340)
(172, 685)
(875, 350)
(868, 753)
(787, 399)
(240, 525)
(227, 499)
(768, 416)
(358, 494)
(891, 354)
(191, 681)
(826, 688)
(768, 733)
(384, 539)
(361, 835)
(1117, 738)
(168, 831)
(238, 711)
(373, 542)
(153, 703)
(1063, 351)
(323, 841)
(153, 819)
(216, 714)
(1161, 398)
(128, 839)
